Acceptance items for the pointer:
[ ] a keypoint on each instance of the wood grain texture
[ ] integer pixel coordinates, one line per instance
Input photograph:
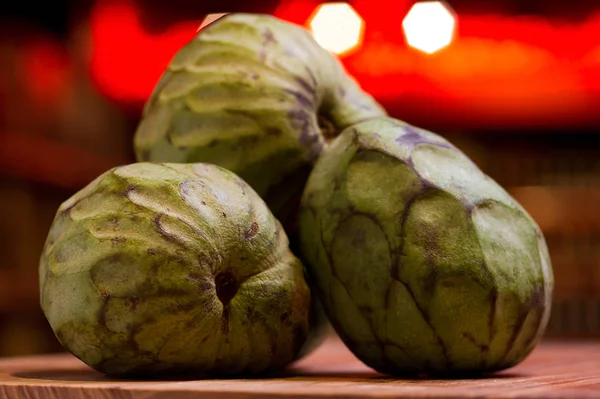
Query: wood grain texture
(554, 370)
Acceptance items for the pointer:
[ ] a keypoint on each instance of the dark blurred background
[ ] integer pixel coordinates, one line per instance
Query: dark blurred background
(518, 89)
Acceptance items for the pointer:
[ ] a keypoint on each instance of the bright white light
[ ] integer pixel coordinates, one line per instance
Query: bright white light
(429, 26)
(210, 18)
(337, 27)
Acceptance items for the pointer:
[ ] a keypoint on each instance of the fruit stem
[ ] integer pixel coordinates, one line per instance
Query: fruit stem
(328, 129)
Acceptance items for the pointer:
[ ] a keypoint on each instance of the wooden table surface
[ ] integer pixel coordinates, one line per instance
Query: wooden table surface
(554, 370)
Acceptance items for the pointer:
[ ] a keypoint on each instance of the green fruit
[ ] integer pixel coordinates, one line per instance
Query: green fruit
(172, 268)
(423, 263)
(255, 95)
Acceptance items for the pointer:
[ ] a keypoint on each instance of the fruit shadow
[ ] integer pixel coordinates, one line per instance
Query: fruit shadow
(373, 376)
(296, 375)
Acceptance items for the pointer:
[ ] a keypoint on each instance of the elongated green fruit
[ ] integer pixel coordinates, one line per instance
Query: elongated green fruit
(423, 263)
(256, 95)
(172, 268)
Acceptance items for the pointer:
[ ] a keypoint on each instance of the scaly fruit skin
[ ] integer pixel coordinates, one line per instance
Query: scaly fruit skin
(249, 93)
(423, 263)
(171, 268)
